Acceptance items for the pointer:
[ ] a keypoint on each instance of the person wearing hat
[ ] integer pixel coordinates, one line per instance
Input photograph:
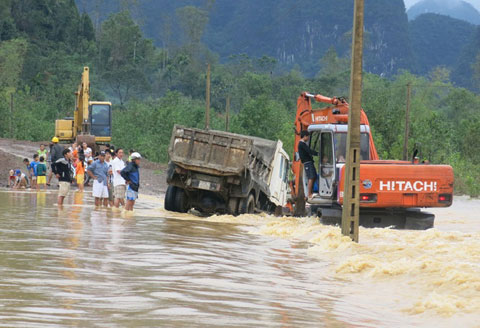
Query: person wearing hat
(131, 174)
(20, 181)
(56, 153)
(98, 171)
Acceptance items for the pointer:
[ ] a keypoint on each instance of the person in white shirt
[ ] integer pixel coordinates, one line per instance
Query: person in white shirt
(119, 187)
(73, 146)
(87, 151)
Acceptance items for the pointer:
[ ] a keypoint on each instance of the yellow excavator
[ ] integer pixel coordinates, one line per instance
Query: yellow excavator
(92, 120)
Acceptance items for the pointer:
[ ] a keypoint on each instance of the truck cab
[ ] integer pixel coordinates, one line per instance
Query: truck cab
(278, 182)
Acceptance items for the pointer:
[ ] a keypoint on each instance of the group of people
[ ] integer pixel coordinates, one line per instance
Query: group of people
(115, 183)
(36, 170)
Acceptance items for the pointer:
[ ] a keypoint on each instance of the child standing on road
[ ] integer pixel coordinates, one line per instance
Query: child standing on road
(33, 168)
(11, 179)
(42, 151)
(42, 174)
(80, 172)
(28, 168)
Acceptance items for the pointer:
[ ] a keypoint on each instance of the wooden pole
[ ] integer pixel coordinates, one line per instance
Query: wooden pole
(407, 122)
(11, 115)
(227, 113)
(351, 195)
(207, 100)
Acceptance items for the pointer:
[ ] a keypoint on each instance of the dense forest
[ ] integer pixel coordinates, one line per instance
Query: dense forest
(298, 33)
(45, 43)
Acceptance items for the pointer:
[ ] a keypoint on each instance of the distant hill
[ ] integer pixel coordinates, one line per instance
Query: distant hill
(438, 40)
(297, 33)
(463, 73)
(454, 8)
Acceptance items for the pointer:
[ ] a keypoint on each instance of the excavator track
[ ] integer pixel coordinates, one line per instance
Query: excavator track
(409, 219)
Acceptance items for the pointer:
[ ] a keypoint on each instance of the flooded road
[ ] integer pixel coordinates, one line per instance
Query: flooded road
(82, 267)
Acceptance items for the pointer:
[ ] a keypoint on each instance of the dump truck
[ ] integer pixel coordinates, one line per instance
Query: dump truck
(392, 192)
(221, 172)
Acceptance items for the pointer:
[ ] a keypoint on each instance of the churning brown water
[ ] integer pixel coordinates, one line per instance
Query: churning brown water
(82, 267)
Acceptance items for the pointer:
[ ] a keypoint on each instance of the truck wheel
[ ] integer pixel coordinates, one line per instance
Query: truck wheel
(170, 198)
(247, 205)
(181, 201)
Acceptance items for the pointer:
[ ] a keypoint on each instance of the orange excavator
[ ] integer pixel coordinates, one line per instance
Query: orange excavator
(391, 193)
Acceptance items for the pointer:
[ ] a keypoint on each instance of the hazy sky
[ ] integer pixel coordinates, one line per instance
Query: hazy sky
(475, 3)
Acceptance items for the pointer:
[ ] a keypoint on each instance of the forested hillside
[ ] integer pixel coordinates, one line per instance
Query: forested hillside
(437, 39)
(45, 43)
(295, 33)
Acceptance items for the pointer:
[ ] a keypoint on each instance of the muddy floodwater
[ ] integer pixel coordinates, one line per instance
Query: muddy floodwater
(83, 267)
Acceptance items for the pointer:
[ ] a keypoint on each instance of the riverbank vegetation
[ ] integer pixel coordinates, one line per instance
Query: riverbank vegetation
(153, 88)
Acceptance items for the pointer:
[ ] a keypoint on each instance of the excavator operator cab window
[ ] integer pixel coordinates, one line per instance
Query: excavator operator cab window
(341, 146)
(364, 146)
(100, 120)
(327, 164)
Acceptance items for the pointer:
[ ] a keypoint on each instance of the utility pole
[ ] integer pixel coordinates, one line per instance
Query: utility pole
(207, 100)
(227, 113)
(407, 122)
(11, 115)
(351, 195)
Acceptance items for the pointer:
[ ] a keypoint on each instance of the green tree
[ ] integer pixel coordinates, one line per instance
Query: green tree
(193, 21)
(12, 56)
(125, 56)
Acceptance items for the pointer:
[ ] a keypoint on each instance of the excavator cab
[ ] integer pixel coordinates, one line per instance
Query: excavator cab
(101, 121)
(330, 141)
(327, 164)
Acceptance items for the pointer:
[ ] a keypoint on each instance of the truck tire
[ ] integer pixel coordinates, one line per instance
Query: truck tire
(181, 201)
(169, 203)
(247, 205)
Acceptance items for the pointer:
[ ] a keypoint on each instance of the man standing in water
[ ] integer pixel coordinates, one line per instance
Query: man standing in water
(131, 174)
(98, 171)
(56, 153)
(108, 160)
(305, 153)
(63, 170)
(119, 188)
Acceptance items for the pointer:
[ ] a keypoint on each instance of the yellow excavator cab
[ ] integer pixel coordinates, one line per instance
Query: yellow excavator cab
(101, 121)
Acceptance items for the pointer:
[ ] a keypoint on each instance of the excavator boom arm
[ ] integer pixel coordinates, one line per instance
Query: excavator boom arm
(81, 123)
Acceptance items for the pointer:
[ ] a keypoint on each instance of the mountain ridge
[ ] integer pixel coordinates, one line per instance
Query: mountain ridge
(458, 9)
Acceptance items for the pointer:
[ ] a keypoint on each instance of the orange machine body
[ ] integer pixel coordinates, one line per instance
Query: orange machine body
(385, 183)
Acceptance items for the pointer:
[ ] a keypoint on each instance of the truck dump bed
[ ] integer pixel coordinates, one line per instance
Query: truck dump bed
(219, 153)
